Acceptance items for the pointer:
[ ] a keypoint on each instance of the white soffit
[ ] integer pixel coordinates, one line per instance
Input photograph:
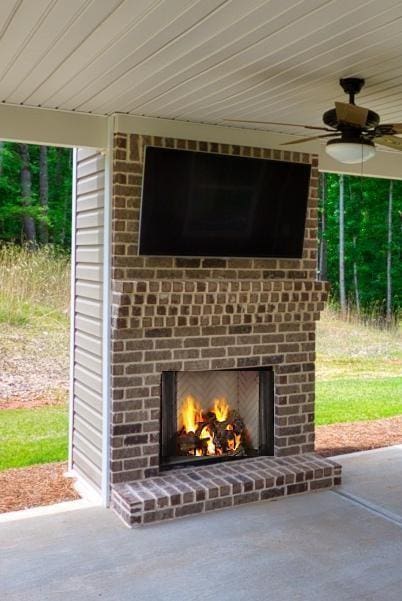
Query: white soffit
(201, 60)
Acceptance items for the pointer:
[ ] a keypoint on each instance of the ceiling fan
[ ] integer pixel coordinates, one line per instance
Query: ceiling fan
(354, 130)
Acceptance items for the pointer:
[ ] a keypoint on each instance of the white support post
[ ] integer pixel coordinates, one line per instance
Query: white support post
(72, 311)
(106, 317)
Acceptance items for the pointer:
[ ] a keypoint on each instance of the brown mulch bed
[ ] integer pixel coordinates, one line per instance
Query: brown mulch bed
(45, 484)
(33, 486)
(338, 439)
(32, 402)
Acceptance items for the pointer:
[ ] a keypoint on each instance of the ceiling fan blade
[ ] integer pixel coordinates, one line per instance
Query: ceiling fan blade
(390, 142)
(300, 140)
(390, 128)
(276, 123)
(351, 114)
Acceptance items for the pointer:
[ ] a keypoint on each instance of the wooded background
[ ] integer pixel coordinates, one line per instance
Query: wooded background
(360, 232)
(35, 195)
(360, 226)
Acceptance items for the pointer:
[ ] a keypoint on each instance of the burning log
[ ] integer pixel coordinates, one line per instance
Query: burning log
(187, 442)
(220, 431)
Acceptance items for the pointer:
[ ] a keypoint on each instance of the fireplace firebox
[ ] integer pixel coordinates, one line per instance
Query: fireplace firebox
(210, 416)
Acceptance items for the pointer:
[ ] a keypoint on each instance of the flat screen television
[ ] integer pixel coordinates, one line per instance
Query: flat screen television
(214, 205)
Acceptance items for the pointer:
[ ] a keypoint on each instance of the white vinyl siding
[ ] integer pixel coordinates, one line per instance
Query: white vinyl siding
(88, 308)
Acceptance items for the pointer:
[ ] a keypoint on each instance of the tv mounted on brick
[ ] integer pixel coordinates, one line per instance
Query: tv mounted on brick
(214, 205)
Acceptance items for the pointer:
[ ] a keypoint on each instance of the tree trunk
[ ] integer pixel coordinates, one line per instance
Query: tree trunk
(60, 193)
(43, 195)
(322, 258)
(354, 242)
(355, 278)
(389, 254)
(342, 292)
(1, 157)
(28, 222)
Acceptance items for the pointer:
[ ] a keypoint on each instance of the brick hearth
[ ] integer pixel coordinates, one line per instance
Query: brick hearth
(190, 491)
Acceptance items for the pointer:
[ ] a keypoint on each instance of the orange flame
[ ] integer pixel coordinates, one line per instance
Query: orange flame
(191, 418)
(190, 414)
(221, 409)
(206, 435)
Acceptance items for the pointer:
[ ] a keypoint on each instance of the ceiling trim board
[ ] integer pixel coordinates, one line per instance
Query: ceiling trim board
(52, 127)
(66, 128)
(172, 128)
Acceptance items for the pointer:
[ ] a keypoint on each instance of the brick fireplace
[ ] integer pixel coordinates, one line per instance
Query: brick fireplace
(174, 315)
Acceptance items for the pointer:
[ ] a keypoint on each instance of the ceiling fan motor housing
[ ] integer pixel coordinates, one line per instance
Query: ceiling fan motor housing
(330, 119)
(351, 86)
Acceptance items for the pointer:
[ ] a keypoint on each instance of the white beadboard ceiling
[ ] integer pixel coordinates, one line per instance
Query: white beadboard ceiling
(201, 60)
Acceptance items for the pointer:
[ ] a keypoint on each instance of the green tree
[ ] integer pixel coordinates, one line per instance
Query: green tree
(44, 203)
(369, 245)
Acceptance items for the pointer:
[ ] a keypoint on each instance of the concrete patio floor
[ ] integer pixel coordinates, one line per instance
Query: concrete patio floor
(325, 546)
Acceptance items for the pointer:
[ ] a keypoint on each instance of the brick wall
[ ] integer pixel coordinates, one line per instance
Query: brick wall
(172, 313)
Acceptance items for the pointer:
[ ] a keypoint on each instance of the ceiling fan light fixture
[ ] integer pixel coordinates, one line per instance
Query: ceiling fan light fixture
(350, 152)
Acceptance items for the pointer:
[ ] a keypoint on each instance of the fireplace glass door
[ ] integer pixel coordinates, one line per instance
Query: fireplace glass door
(209, 416)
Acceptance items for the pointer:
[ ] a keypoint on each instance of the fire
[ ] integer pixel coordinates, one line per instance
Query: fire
(206, 435)
(190, 414)
(214, 431)
(221, 409)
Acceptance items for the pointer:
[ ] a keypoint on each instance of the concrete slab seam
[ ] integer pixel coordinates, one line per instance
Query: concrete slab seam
(372, 507)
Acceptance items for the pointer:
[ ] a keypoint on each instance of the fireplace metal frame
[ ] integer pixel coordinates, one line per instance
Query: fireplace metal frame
(168, 420)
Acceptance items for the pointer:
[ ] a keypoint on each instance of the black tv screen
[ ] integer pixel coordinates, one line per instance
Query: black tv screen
(213, 205)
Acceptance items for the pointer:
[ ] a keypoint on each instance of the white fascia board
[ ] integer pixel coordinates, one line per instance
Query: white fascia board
(186, 130)
(386, 164)
(52, 127)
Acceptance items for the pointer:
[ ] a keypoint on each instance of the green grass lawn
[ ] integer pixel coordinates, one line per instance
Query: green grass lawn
(358, 371)
(358, 399)
(34, 335)
(31, 436)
